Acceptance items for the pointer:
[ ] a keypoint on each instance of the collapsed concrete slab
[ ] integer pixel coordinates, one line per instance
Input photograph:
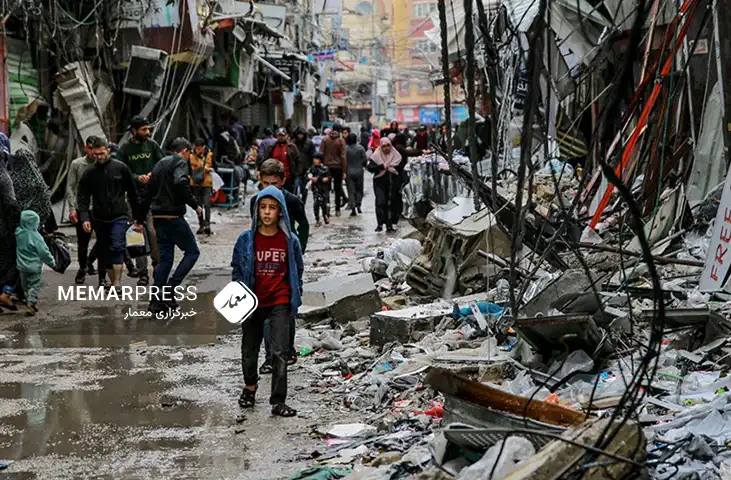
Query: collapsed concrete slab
(328, 291)
(404, 325)
(449, 261)
(346, 298)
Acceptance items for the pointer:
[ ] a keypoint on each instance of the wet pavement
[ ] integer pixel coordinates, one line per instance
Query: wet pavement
(86, 393)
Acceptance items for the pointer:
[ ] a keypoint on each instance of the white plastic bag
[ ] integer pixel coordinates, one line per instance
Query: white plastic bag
(217, 181)
(134, 239)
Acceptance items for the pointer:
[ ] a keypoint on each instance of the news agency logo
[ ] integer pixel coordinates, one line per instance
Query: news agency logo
(236, 302)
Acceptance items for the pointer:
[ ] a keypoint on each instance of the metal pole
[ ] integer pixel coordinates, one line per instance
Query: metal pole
(471, 124)
(447, 77)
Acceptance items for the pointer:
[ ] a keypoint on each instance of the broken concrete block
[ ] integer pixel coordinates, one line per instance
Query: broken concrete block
(326, 292)
(385, 329)
(352, 308)
(346, 299)
(403, 325)
(560, 456)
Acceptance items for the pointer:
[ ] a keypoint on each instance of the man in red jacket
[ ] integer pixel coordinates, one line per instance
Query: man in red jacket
(286, 152)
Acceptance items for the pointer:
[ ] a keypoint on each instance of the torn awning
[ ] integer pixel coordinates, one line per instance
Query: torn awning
(455, 24)
(566, 17)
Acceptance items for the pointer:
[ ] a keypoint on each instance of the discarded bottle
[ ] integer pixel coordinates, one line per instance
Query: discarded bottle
(353, 400)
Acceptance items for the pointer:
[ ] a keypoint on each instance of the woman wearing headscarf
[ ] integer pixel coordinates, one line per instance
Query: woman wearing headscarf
(31, 193)
(9, 219)
(386, 164)
(31, 190)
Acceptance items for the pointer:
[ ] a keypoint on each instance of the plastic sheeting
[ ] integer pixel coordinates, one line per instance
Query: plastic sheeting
(429, 183)
(709, 166)
(455, 24)
(564, 18)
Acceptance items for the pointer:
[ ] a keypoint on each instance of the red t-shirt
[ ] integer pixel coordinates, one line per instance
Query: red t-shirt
(271, 284)
(280, 153)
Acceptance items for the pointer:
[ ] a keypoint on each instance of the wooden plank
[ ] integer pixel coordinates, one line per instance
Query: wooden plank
(489, 397)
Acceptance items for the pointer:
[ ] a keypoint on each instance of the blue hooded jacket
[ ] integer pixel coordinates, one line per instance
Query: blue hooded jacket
(243, 261)
(32, 251)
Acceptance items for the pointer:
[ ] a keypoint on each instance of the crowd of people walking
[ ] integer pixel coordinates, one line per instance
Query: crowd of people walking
(108, 186)
(142, 188)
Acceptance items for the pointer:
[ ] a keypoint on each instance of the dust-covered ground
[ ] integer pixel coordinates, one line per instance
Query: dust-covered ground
(86, 393)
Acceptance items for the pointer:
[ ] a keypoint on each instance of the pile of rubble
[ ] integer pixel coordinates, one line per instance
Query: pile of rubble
(583, 376)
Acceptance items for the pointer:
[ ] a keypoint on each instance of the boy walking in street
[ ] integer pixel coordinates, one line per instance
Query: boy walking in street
(271, 173)
(32, 252)
(320, 177)
(268, 259)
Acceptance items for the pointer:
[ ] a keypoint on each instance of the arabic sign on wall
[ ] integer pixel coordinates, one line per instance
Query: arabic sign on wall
(322, 56)
(407, 115)
(430, 115)
(459, 114)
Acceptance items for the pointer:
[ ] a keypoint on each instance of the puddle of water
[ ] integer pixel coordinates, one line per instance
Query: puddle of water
(128, 411)
(106, 327)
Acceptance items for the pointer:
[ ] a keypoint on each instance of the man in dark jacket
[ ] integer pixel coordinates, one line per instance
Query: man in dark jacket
(422, 138)
(167, 195)
(264, 146)
(286, 152)
(307, 152)
(108, 183)
(365, 137)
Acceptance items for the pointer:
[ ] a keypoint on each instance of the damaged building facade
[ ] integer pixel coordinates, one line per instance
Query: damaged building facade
(185, 65)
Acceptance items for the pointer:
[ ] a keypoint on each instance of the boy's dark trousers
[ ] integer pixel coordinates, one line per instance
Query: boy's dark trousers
(279, 318)
(321, 202)
(268, 340)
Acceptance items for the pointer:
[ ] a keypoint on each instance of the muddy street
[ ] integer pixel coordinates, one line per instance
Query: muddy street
(85, 393)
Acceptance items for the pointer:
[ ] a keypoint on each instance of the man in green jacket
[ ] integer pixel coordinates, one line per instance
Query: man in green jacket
(140, 154)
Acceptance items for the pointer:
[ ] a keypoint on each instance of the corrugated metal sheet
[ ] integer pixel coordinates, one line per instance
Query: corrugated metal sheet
(78, 95)
(22, 76)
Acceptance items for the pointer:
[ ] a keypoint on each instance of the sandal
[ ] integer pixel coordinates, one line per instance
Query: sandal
(282, 410)
(266, 369)
(247, 398)
(292, 360)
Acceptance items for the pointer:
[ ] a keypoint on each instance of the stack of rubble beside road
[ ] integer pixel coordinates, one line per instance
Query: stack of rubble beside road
(582, 375)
